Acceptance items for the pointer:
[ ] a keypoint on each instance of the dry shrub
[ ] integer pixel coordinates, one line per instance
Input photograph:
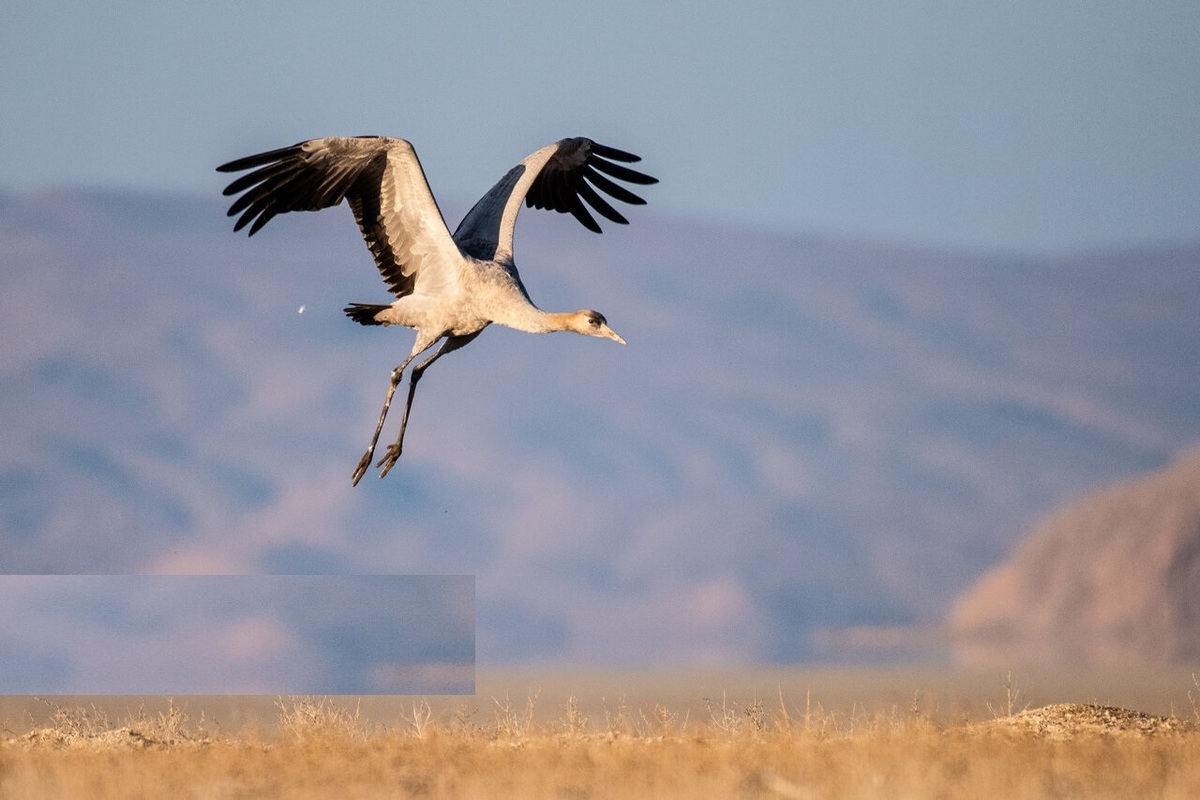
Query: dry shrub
(89, 727)
(317, 717)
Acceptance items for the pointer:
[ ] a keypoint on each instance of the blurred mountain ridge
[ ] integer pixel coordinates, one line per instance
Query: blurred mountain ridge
(804, 431)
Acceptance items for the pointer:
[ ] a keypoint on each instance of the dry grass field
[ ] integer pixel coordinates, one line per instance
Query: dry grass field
(544, 744)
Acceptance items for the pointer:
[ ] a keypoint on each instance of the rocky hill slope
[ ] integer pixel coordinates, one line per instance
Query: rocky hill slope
(1113, 578)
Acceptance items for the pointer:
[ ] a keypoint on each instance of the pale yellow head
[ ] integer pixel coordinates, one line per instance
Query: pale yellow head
(591, 323)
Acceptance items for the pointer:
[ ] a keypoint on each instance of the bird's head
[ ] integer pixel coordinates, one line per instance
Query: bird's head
(592, 323)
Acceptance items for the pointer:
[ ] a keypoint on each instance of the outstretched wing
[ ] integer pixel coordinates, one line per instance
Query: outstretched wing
(567, 176)
(379, 177)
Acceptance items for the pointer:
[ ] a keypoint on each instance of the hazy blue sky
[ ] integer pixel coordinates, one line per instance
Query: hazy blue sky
(1019, 125)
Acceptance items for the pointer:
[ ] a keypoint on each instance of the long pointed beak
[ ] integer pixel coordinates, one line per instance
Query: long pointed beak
(611, 334)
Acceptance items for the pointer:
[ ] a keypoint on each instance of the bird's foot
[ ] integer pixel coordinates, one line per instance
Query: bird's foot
(389, 458)
(363, 464)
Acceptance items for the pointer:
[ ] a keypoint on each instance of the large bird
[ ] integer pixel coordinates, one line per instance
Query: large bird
(448, 287)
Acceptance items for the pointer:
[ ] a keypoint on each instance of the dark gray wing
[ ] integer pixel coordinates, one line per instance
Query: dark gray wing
(569, 176)
(382, 181)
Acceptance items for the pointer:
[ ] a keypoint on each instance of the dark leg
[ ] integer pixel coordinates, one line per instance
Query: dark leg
(451, 344)
(365, 461)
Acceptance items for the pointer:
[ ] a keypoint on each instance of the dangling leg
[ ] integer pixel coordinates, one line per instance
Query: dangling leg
(451, 344)
(397, 375)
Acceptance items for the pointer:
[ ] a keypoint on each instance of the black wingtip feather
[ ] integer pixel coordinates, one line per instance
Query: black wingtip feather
(598, 203)
(259, 159)
(604, 151)
(623, 173)
(613, 190)
(580, 212)
(582, 177)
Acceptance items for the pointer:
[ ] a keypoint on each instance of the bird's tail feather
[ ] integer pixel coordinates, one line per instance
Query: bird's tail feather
(364, 313)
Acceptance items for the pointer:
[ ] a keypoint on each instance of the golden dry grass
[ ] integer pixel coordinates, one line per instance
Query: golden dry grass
(757, 749)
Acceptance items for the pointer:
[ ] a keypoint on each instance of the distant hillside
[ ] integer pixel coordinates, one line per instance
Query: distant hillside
(1113, 578)
(803, 432)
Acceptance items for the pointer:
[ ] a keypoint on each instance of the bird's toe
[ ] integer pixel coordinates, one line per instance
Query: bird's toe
(389, 459)
(364, 464)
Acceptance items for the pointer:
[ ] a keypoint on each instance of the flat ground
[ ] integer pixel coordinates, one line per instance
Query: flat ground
(949, 695)
(783, 733)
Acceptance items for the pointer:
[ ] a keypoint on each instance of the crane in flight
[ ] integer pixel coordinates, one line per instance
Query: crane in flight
(448, 287)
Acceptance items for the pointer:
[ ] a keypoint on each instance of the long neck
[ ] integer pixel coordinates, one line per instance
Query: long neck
(501, 298)
(531, 319)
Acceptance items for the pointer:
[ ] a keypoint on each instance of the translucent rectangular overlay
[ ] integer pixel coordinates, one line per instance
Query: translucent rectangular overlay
(237, 634)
